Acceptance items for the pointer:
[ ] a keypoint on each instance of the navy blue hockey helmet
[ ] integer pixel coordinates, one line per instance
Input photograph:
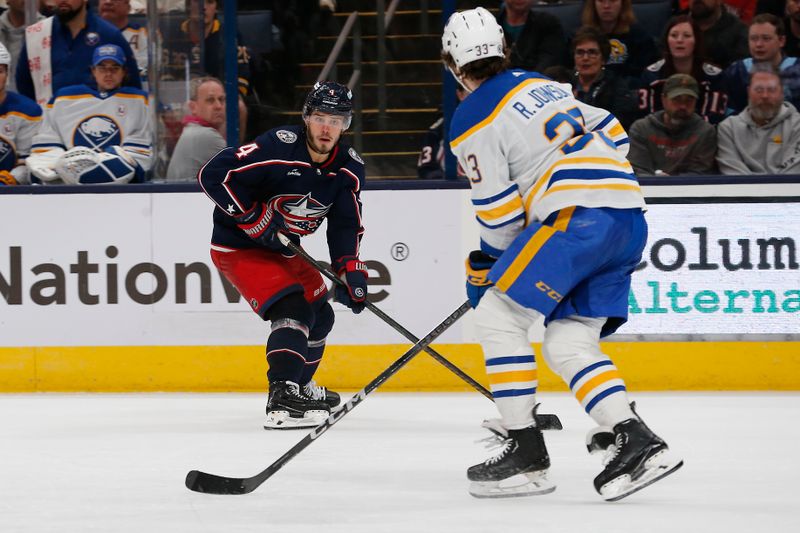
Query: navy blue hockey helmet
(330, 97)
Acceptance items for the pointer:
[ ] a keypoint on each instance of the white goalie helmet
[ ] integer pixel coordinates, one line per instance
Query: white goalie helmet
(471, 35)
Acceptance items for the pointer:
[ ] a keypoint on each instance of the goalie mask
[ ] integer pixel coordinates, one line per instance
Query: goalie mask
(471, 35)
(332, 98)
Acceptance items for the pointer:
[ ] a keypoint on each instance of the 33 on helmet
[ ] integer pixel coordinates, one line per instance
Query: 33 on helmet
(472, 35)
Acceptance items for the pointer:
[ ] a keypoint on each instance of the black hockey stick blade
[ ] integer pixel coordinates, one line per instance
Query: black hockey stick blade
(198, 481)
(543, 421)
(211, 484)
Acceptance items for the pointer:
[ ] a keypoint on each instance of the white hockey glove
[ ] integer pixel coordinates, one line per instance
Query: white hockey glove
(42, 165)
(81, 165)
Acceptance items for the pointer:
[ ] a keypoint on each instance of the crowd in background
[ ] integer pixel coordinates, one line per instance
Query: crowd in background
(715, 90)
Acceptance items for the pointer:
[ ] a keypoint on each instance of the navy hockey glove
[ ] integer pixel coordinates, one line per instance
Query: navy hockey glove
(478, 265)
(354, 293)
(262, 224)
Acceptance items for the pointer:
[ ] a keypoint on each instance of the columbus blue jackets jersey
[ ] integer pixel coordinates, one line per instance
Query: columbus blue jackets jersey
(20, 118)
(81, 116)
(529, 149)
(277, 169)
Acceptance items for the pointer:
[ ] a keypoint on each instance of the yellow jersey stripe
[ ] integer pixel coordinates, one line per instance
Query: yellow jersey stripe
(480, 125)
(612, 187)
(524, 258)
(22, 115)
(616, 130)
(500, 211)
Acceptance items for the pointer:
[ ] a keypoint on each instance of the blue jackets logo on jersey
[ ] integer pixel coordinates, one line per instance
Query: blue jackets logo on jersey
(286, 136)
(97, 132)
(303, 215)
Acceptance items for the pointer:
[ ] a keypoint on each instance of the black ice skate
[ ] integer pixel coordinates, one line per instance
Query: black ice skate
(289, 407)
(638, 458)
(318, 392)
(520, 469)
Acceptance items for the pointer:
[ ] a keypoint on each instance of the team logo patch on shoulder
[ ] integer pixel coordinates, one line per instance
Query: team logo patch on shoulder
(286, 136)
(92, 38)
(354, 155)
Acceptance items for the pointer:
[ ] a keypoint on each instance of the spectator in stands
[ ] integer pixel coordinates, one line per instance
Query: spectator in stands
(116, 12)
(60, 49)
(767, 36)
(631, 47)
(48, 8)
(201, 137)
(12, 34)
(213, 63)
(536, 39)
(92, 136)
(684, 53)
(20, 118)
(792, 24)
(765, 137)
(675, 140)
(594, 83)
(430, 163)
(724, 34)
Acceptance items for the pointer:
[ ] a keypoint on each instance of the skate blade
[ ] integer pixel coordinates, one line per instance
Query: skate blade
(530, 484)
(657, 467)
(282, 420)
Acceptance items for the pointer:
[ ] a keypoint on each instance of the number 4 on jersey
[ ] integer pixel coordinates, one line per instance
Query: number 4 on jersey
(245, 150)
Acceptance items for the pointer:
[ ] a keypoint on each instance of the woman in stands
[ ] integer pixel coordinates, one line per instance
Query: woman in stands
(684, 53)
(593, 83)
(632, 48)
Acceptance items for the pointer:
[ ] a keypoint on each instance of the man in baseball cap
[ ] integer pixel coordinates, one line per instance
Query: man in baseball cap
(675, 140)
(110, 52)
(108, 67)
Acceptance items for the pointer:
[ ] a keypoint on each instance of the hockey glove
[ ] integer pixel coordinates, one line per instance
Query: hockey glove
(262, 224)
(478, 265)
(7, 178)
(353, 293)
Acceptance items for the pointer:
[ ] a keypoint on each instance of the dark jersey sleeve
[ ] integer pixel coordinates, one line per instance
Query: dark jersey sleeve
(344, 219)
(232, 177)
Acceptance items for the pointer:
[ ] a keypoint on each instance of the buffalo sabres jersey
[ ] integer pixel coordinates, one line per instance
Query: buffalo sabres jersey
(529, 148)
(277, 169)
(20, 118)
(136, 35)
(81, 116)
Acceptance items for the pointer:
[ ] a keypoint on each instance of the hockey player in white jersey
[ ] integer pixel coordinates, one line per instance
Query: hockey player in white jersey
(95, 135)
(562, 228)
(20, 118)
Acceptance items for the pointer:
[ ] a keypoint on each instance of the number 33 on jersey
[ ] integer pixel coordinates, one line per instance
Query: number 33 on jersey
(529, 148)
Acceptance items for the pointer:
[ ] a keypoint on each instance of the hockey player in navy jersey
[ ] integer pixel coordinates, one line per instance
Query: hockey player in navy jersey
(562, 228)
(20, 118)
(95, 135)
(289, 180)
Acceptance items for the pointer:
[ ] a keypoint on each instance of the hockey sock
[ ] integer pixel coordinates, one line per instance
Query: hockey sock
(315, 350)
(601, 392)
(287, 349)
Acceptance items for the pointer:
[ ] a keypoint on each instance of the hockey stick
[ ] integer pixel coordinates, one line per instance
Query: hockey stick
(544, 421)
(213, 484)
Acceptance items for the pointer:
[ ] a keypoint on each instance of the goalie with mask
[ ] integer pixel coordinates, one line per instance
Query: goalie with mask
(95, 135)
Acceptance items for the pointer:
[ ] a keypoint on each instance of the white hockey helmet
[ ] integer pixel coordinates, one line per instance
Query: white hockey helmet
(5, 57)
(471, 35)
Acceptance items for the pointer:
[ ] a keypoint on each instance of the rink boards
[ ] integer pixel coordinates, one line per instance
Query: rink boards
(116, 292)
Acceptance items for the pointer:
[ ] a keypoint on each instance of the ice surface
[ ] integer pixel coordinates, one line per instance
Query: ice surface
(116, 463)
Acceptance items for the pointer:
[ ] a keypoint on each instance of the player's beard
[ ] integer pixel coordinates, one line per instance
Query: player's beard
(316, 147)
(68, 14)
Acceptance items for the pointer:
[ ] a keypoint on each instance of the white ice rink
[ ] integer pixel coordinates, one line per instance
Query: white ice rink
(116, 463)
